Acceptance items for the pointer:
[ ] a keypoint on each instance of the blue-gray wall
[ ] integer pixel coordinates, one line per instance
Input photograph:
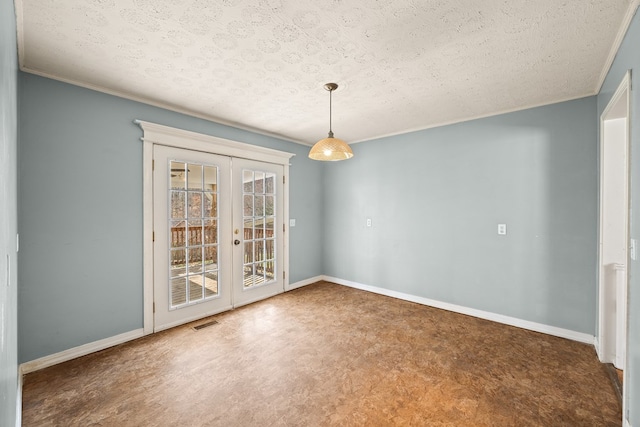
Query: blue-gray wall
(8, 219)
(628, 58)
(435, 198)
(80, 207)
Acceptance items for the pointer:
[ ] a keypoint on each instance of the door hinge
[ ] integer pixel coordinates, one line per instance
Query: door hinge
(284, 179)
(284, 275)
(283, 229)
(154, 307)
(153, 236)
(153, 164)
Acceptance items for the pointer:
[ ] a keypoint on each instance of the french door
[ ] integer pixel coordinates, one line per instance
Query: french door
(217, 243)
(258, 229)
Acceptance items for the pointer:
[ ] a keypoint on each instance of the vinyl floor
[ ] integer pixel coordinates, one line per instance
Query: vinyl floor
(328, 355)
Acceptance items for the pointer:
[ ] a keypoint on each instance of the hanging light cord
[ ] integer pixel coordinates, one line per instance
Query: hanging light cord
(330, 130)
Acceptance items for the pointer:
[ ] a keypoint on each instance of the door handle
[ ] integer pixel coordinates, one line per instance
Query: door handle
(236, 242)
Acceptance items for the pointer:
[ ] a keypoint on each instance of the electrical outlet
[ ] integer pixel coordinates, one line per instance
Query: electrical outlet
(502, 229)
(292, 222)
(368, 222)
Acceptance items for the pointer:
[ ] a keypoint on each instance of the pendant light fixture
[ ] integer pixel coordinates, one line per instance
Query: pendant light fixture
(330, 148)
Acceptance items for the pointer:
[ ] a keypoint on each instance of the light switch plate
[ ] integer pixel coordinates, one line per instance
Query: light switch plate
(368, 222)
(292, 222)
(502, 229)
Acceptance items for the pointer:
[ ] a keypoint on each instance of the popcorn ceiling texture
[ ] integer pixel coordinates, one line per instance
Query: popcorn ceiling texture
(401, 64)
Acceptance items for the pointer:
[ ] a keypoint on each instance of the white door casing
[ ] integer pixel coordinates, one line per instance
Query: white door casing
(614, 240)
(159, 135)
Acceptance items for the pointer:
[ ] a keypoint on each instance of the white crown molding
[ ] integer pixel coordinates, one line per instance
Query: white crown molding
(622, 32)
(83, 350)
(480, 116)
(239, 126)
(175, 137)
(158, 104)
(499, 318)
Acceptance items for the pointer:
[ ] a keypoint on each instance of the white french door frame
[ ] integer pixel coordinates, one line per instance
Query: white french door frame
(155, 134)
(622, 96)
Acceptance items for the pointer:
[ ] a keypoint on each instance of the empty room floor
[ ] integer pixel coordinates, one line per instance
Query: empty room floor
(329, 355)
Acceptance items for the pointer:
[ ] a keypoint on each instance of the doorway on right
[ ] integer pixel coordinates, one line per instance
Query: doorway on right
(615, 246)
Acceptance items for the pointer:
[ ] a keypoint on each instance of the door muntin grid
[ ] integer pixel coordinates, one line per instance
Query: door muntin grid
(193, 233)
(259, 237)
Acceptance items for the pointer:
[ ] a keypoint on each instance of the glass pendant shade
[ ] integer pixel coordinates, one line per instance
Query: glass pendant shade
(330, 149)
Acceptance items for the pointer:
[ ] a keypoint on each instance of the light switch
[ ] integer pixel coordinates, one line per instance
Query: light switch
(292, 222)
(502, 229)
(368, 222)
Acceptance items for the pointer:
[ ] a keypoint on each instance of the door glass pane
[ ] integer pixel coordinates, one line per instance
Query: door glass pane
(211, 283)
(178, 175)
(248, 252)
(259, 206)
(268, 227)
(269, 251)
(259, 182)
(194, 177)
(247, 280)
(195, 260)
(247, 181)
(269, 205)
(210, 205)
(210, 231)
(210, 258)
(270, 271)
(193, 233)
(178, 202)
(248, 204)
(178, 262)
(259, 245)
(248, 229)
(196, 288)
(178, 236)
(194, 204)
(178, 291)
(269, 183)
(210, 178)
(259, 250)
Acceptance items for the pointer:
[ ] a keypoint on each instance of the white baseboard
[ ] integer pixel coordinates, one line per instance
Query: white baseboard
(627, 423)
(305, 282)
(499, 318)
(92, 347)
(596, 345)
(72, 353)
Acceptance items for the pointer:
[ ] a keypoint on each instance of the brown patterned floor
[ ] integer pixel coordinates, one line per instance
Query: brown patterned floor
(330, 355)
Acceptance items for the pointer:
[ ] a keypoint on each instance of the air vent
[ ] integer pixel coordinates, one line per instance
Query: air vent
(205, 325)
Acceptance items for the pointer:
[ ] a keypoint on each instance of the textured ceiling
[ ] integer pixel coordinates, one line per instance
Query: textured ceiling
(401, 64)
